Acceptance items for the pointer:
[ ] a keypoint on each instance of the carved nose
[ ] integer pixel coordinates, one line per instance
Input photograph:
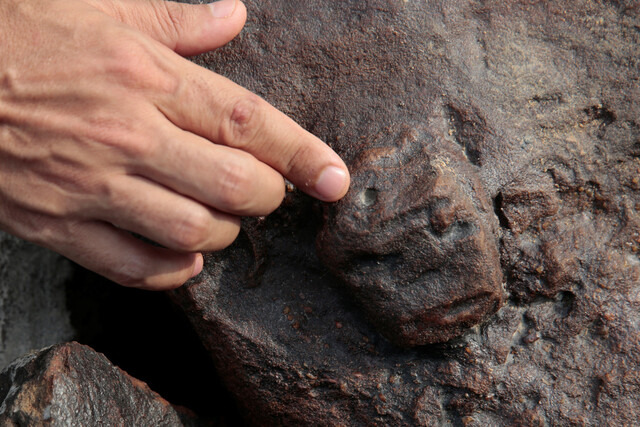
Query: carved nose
(464, 309)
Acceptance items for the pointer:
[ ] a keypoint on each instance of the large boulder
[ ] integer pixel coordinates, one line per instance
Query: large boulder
(484, 268)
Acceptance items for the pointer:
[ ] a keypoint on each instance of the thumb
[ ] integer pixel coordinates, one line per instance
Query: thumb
(188, 29)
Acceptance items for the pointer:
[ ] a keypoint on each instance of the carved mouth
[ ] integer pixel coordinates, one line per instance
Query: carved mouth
(441, 323)
(423, 311)
(465, 310)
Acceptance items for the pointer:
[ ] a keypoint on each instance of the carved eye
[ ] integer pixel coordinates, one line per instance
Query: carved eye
(368, 197)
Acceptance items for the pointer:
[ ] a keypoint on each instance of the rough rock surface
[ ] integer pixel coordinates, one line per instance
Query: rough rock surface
(33, 312)
(516, 123)
(70, 384)
(415, 244)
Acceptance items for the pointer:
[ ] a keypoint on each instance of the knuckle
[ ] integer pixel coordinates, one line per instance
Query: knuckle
(138, 148)
(170, 83)
(192, 231)
(243, 121)
(124, 132)
(170, 17)
(137, 66)
(298, 155)
(132, 274)
(234, 186)
(109, 191)
(40, 229)
(126, 61)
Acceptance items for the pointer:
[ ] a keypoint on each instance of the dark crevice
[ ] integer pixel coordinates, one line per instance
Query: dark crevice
(555, 97)
(600, 115)
(564, 303)
(468, 130)
(468, 305)
(497, 208)
(144, 334)
(457, 231)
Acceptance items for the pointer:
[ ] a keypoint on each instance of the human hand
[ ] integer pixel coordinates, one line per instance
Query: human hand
(106, 130)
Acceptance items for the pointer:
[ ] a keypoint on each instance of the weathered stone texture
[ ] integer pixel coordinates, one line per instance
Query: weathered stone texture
(491, 143)
(33, 312)
(416, 245)
(72, 385)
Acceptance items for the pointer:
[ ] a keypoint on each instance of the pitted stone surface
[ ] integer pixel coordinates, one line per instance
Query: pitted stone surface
(33, 312)
(71, 384)
(414, 241)
(534, 108)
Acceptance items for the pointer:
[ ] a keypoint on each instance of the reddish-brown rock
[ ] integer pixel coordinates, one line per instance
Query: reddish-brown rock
(511, 124)
(70, 384)
(414, 242)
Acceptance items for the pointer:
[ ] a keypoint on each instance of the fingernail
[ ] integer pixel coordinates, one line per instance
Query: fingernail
(223, 8)
(197, 267)
(331, 182)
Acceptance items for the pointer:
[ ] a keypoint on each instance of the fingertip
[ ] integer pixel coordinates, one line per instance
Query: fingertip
(332, 183)
(218, 25)
(229, 17)
(224, 9)
(193, 266)
(198, 265)
(167, 277)
(127, 260)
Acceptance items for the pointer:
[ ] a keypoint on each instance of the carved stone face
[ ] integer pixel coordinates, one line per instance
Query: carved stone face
(546, 105)
(414, 240)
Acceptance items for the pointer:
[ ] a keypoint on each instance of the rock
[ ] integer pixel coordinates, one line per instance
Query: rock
(33, 312)
(414, 242)
(495, 150)
(70, 384)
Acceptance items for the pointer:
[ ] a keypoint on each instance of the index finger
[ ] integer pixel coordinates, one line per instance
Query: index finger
(215, 108)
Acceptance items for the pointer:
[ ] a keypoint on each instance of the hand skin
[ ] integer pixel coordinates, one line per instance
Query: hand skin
(105, 130)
